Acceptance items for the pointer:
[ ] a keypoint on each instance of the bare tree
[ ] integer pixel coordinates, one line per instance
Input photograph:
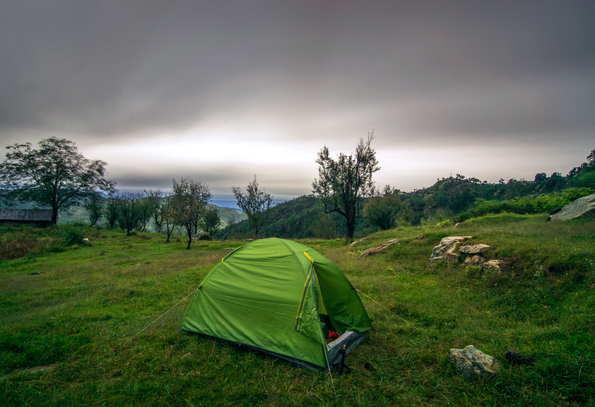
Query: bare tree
(188, 204)
(342, 183)
(255, 203)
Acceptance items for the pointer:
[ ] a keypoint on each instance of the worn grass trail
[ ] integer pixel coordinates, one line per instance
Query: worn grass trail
(67, 335)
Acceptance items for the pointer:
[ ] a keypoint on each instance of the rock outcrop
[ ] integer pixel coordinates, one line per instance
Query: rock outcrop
(471, 361)
(447, 245)
(575, 209)
(474, 249)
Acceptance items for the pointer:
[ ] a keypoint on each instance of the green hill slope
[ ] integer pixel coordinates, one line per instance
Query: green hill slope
(88, 323)
(298, 218)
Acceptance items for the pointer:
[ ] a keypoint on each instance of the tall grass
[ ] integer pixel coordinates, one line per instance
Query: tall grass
(70, 335)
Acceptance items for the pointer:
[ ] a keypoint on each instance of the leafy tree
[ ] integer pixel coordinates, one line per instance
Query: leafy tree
(188, 204)
(110, 213)
(326, 228)
(55, 175)
(591, 158)
(210, 222)
(94, 205)
(129, 211)
(255, 203)
(585, 180)
(156, 202)
(555, 183)
(145, 210)
(167, 215)
(382, 211)
(341, 184)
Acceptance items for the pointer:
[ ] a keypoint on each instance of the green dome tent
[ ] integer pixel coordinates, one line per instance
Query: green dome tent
(279, 297)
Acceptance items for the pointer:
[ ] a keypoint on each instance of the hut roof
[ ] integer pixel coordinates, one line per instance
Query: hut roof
(26, 215)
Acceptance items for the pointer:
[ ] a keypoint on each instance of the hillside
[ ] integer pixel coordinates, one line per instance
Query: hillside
(454, 199)
(299, 218)
(84, 323)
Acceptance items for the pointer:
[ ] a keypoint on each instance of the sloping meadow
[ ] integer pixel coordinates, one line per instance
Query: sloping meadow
(86, 324)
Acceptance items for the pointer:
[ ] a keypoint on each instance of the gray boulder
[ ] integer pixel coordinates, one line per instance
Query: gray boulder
(471, 361)
(447, 245)
(575, 209)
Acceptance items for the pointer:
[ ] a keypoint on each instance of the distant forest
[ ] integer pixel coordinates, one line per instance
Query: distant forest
(449, 200)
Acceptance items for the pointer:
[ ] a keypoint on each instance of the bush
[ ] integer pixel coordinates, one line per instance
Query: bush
(72, 235)
(527, 205)
(445, 223)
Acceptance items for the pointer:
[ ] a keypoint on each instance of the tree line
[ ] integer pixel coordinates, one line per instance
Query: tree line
(184, 208)
(56, 175)
(344, 195)
(449, 200)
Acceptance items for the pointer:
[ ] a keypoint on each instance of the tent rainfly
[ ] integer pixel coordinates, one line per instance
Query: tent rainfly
(282, 298)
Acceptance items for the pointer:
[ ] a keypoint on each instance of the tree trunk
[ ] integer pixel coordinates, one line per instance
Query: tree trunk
(54, 216)
(350, 229)
(189, 230)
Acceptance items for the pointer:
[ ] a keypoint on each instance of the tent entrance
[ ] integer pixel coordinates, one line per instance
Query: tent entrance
(349, 339)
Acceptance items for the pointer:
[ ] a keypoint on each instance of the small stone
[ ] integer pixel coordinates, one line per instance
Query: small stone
(492, 265)
(473, 361)
(378, 248)
(450, 257)
(473, 249)
(474, 260)
(86, 239)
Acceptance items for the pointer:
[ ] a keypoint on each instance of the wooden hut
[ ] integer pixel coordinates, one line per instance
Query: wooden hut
(33, 217)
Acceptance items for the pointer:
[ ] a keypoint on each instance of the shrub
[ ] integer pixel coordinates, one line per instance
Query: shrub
(526, 205)
(72, 234)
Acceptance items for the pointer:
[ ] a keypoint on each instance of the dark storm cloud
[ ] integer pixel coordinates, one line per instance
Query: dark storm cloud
(421, 73)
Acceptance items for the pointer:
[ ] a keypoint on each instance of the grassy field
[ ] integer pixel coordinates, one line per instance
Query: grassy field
(75, 321)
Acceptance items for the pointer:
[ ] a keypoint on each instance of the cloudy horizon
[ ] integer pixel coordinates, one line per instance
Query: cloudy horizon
(223, 91)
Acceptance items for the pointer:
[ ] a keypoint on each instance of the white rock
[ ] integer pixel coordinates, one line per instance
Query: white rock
(473, 361)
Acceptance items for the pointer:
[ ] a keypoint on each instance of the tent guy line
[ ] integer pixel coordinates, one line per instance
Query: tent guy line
(145, 328)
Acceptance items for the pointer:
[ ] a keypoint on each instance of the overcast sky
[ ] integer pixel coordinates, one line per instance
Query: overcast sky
(224, 90)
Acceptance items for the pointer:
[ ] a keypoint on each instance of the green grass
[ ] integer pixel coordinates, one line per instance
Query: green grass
(70, 335)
